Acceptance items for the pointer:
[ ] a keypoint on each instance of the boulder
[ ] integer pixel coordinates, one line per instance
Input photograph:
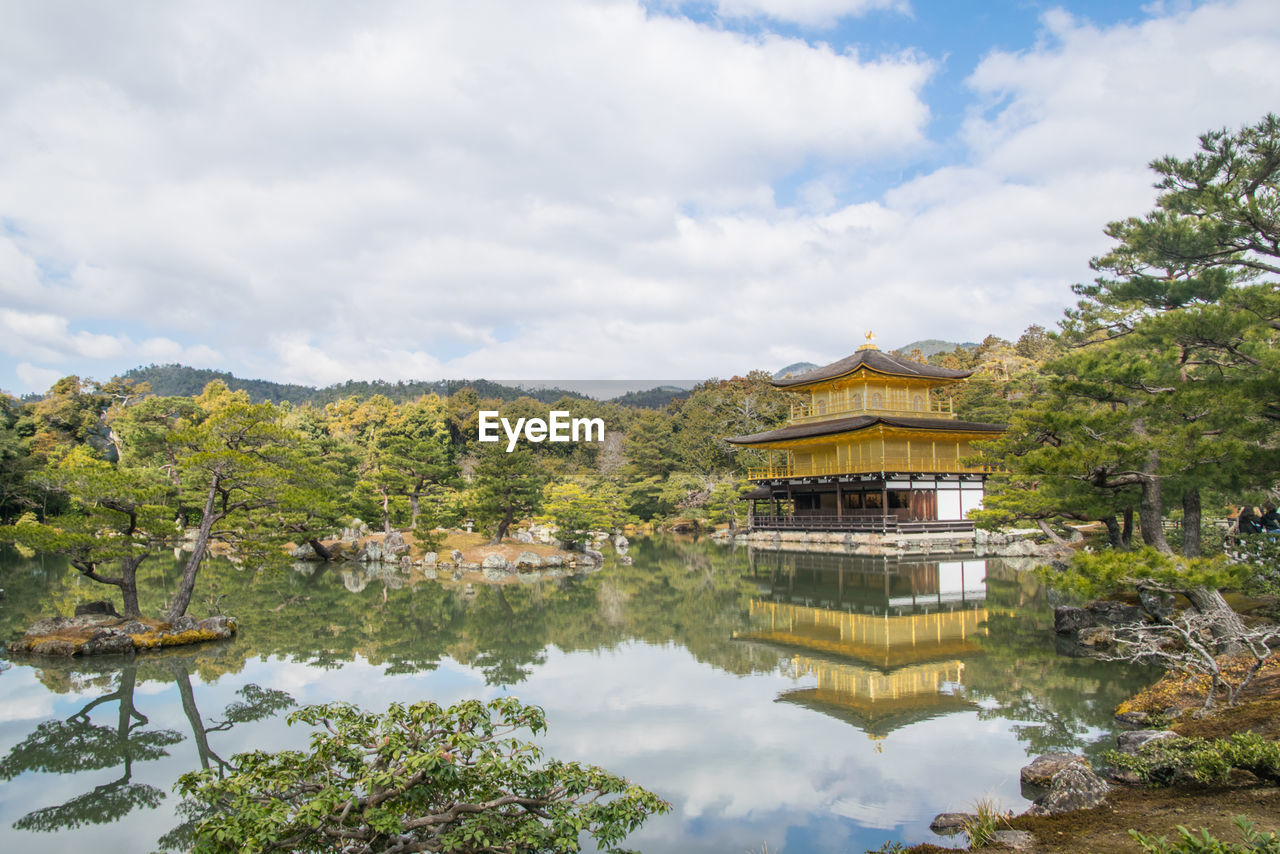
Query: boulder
(183, 624)
(1045, 767)
(101, 606)
(54, 646)
(456, 556)
(553, 560)
(1132, 741)
(950, 823)
(135, 627)
(1068, 619)
(524, 537)
(394, 544)
(493, 562)
(107, 642)
(429, 559)
(1107, 612)
(1073, 788)
(372, 553)
(528, 559)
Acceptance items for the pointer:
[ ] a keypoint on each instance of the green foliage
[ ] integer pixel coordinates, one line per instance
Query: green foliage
(725, 503)
(580, 505)
(1168, 384)
(417, 778)
(1096, 574)
(507, 486)
(1204, 842)
(1165, 761)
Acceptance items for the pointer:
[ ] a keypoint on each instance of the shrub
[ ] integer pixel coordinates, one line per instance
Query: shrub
(1207, 761)
(417, 778)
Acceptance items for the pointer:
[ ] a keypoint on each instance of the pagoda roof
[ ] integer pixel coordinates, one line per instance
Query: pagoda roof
(862, 422)
(875, 360)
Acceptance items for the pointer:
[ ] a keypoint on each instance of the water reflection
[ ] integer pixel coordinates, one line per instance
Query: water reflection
(78, 744)
(740, 684)
(885, 638)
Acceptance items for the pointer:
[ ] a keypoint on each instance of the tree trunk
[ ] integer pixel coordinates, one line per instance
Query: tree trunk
(1191, 523)
(386, 513)
(319, 548)
(503, 525)
(129, 585)
(182, 598)
(1126, 533)
(1114, 535)
(1044, 527)
(1151, 506)
(413, 509)
(1224, 622)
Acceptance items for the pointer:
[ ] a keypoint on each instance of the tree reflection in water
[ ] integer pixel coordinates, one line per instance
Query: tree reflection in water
(78, 744)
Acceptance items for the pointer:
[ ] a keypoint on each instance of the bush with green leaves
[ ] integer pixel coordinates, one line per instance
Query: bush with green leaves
(417, 778)
(1163, 761)
(1206, 843)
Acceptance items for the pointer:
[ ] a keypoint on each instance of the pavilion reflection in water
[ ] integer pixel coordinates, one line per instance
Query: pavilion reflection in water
(886, 638)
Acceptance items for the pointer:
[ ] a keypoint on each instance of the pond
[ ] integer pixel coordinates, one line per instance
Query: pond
(803, 702)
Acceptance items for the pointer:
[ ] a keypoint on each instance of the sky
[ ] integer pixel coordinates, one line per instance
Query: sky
(578, 189)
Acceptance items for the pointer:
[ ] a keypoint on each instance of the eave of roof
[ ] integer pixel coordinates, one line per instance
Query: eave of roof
(873, 360)
(862, 422)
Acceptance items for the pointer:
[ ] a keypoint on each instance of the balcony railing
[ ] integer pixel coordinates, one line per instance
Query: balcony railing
(859, 522)
(802, 413)
(912, 463)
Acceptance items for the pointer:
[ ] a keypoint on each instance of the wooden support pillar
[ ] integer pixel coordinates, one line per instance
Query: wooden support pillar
(839, 502)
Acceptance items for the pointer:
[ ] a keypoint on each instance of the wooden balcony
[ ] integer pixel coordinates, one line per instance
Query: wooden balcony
(804, 413)
(913, 463)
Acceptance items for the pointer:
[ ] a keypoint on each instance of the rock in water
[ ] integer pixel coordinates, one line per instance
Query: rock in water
(1073, 788)
(1067, 619)
(950, 823)
(1043, 768)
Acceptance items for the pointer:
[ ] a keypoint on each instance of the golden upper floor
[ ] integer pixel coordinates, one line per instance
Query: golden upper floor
(872, 382)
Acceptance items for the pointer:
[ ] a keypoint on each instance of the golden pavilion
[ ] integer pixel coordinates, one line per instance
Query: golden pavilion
(873, 445)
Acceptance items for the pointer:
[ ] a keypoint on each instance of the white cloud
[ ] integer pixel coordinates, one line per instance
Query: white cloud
(407, 191)
(35, 378)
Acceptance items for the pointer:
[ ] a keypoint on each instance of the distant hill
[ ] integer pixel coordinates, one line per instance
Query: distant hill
(930, 346)
(182, 381)
(653, 398)
(797, 368)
